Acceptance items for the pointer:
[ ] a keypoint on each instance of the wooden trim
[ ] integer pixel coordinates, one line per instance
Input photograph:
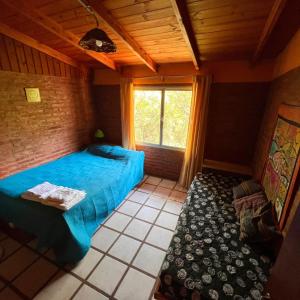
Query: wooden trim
(268, 28)
(34, 15)
(182, 15)
(116, 27)
(229, 167)
(27, 40)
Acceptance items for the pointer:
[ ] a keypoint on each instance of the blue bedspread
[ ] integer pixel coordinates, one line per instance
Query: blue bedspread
(106, 181)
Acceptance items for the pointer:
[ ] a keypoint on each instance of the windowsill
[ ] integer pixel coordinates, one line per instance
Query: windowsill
(161, 147)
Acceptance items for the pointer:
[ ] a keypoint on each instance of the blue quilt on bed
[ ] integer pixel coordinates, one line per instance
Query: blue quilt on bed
(106, 180)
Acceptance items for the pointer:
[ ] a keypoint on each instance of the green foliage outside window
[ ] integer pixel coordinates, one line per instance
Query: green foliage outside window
(172, 107)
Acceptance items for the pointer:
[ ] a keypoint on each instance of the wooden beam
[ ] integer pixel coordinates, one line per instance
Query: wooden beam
(272, 19)
(25, 8)
(182, 15)
(116, 27)
(29, 41)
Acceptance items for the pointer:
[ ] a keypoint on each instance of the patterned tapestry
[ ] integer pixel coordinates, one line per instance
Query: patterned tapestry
(281, 162)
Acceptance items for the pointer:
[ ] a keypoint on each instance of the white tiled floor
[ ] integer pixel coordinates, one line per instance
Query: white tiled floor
(123, 263)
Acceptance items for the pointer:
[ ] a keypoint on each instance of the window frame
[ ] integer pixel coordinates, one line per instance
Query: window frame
(163, 89)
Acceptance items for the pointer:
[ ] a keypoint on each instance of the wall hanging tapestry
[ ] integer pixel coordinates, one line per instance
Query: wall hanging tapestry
(282, 164)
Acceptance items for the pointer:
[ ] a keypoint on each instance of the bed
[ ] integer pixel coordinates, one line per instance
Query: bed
(107, 179)
(206, 259)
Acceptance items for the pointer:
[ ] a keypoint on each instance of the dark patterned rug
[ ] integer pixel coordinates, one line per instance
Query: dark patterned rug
(206, 259)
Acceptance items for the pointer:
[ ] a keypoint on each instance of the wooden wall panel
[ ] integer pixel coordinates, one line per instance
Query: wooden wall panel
(17, 57)
(234, 118)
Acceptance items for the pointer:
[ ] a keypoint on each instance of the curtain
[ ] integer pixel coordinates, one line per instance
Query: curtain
(194, 152)
(127, 113)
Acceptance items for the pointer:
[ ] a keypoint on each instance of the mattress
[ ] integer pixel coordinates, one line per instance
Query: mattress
(106, 181)
(206, 259)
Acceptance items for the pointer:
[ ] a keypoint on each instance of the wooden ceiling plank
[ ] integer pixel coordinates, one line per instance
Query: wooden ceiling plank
(29, 41)
(114, 25)
(184, 21)
(39, 18)
(268, 28)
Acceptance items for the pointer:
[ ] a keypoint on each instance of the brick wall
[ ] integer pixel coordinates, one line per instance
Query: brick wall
(162, 162)
(33, 133)
(108, 111)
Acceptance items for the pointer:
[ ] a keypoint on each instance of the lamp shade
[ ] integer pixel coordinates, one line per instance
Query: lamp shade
(99, 134)
(97, 40)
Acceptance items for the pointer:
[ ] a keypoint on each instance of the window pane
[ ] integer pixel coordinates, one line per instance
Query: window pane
(176, 118)
(147, 116)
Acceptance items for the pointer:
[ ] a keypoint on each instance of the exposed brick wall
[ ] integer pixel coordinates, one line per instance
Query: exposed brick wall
(108, 111)
(33, 133)
(162, 162)
(284, 89)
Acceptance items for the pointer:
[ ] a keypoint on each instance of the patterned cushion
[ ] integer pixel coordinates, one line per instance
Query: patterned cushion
(246, 188)
(253, 201)
(257, 226)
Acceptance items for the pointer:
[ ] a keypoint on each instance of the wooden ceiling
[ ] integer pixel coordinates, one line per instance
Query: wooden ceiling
(147, 32)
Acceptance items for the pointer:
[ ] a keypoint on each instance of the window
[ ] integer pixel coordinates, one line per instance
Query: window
(162, 116)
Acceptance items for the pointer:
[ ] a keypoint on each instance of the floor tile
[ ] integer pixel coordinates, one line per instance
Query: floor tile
(139, 197)
(2, 235)
(9, 294)
(178, 196)
(162, 192)
(153, 180)
(145, 177)
(167, 220)
(147, 188)
(88, 293)
(137, 229)
(149, 259)
(32, 280)
(2, 284)
(33, 245)
(125, 248)
(104, 238)
(129, 194)
(51, 255)
(117, 221)
(169, 184)
(9, 245)
(135, 286)
(147, 214)
(155, 201)
(85, 266)
(173, 207)
(16, 263)
(61, 287)
(160, 237)
(180, 188)
(129, 208)
(107, 274)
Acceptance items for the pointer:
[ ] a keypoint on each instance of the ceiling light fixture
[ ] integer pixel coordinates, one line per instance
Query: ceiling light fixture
(96, 39)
